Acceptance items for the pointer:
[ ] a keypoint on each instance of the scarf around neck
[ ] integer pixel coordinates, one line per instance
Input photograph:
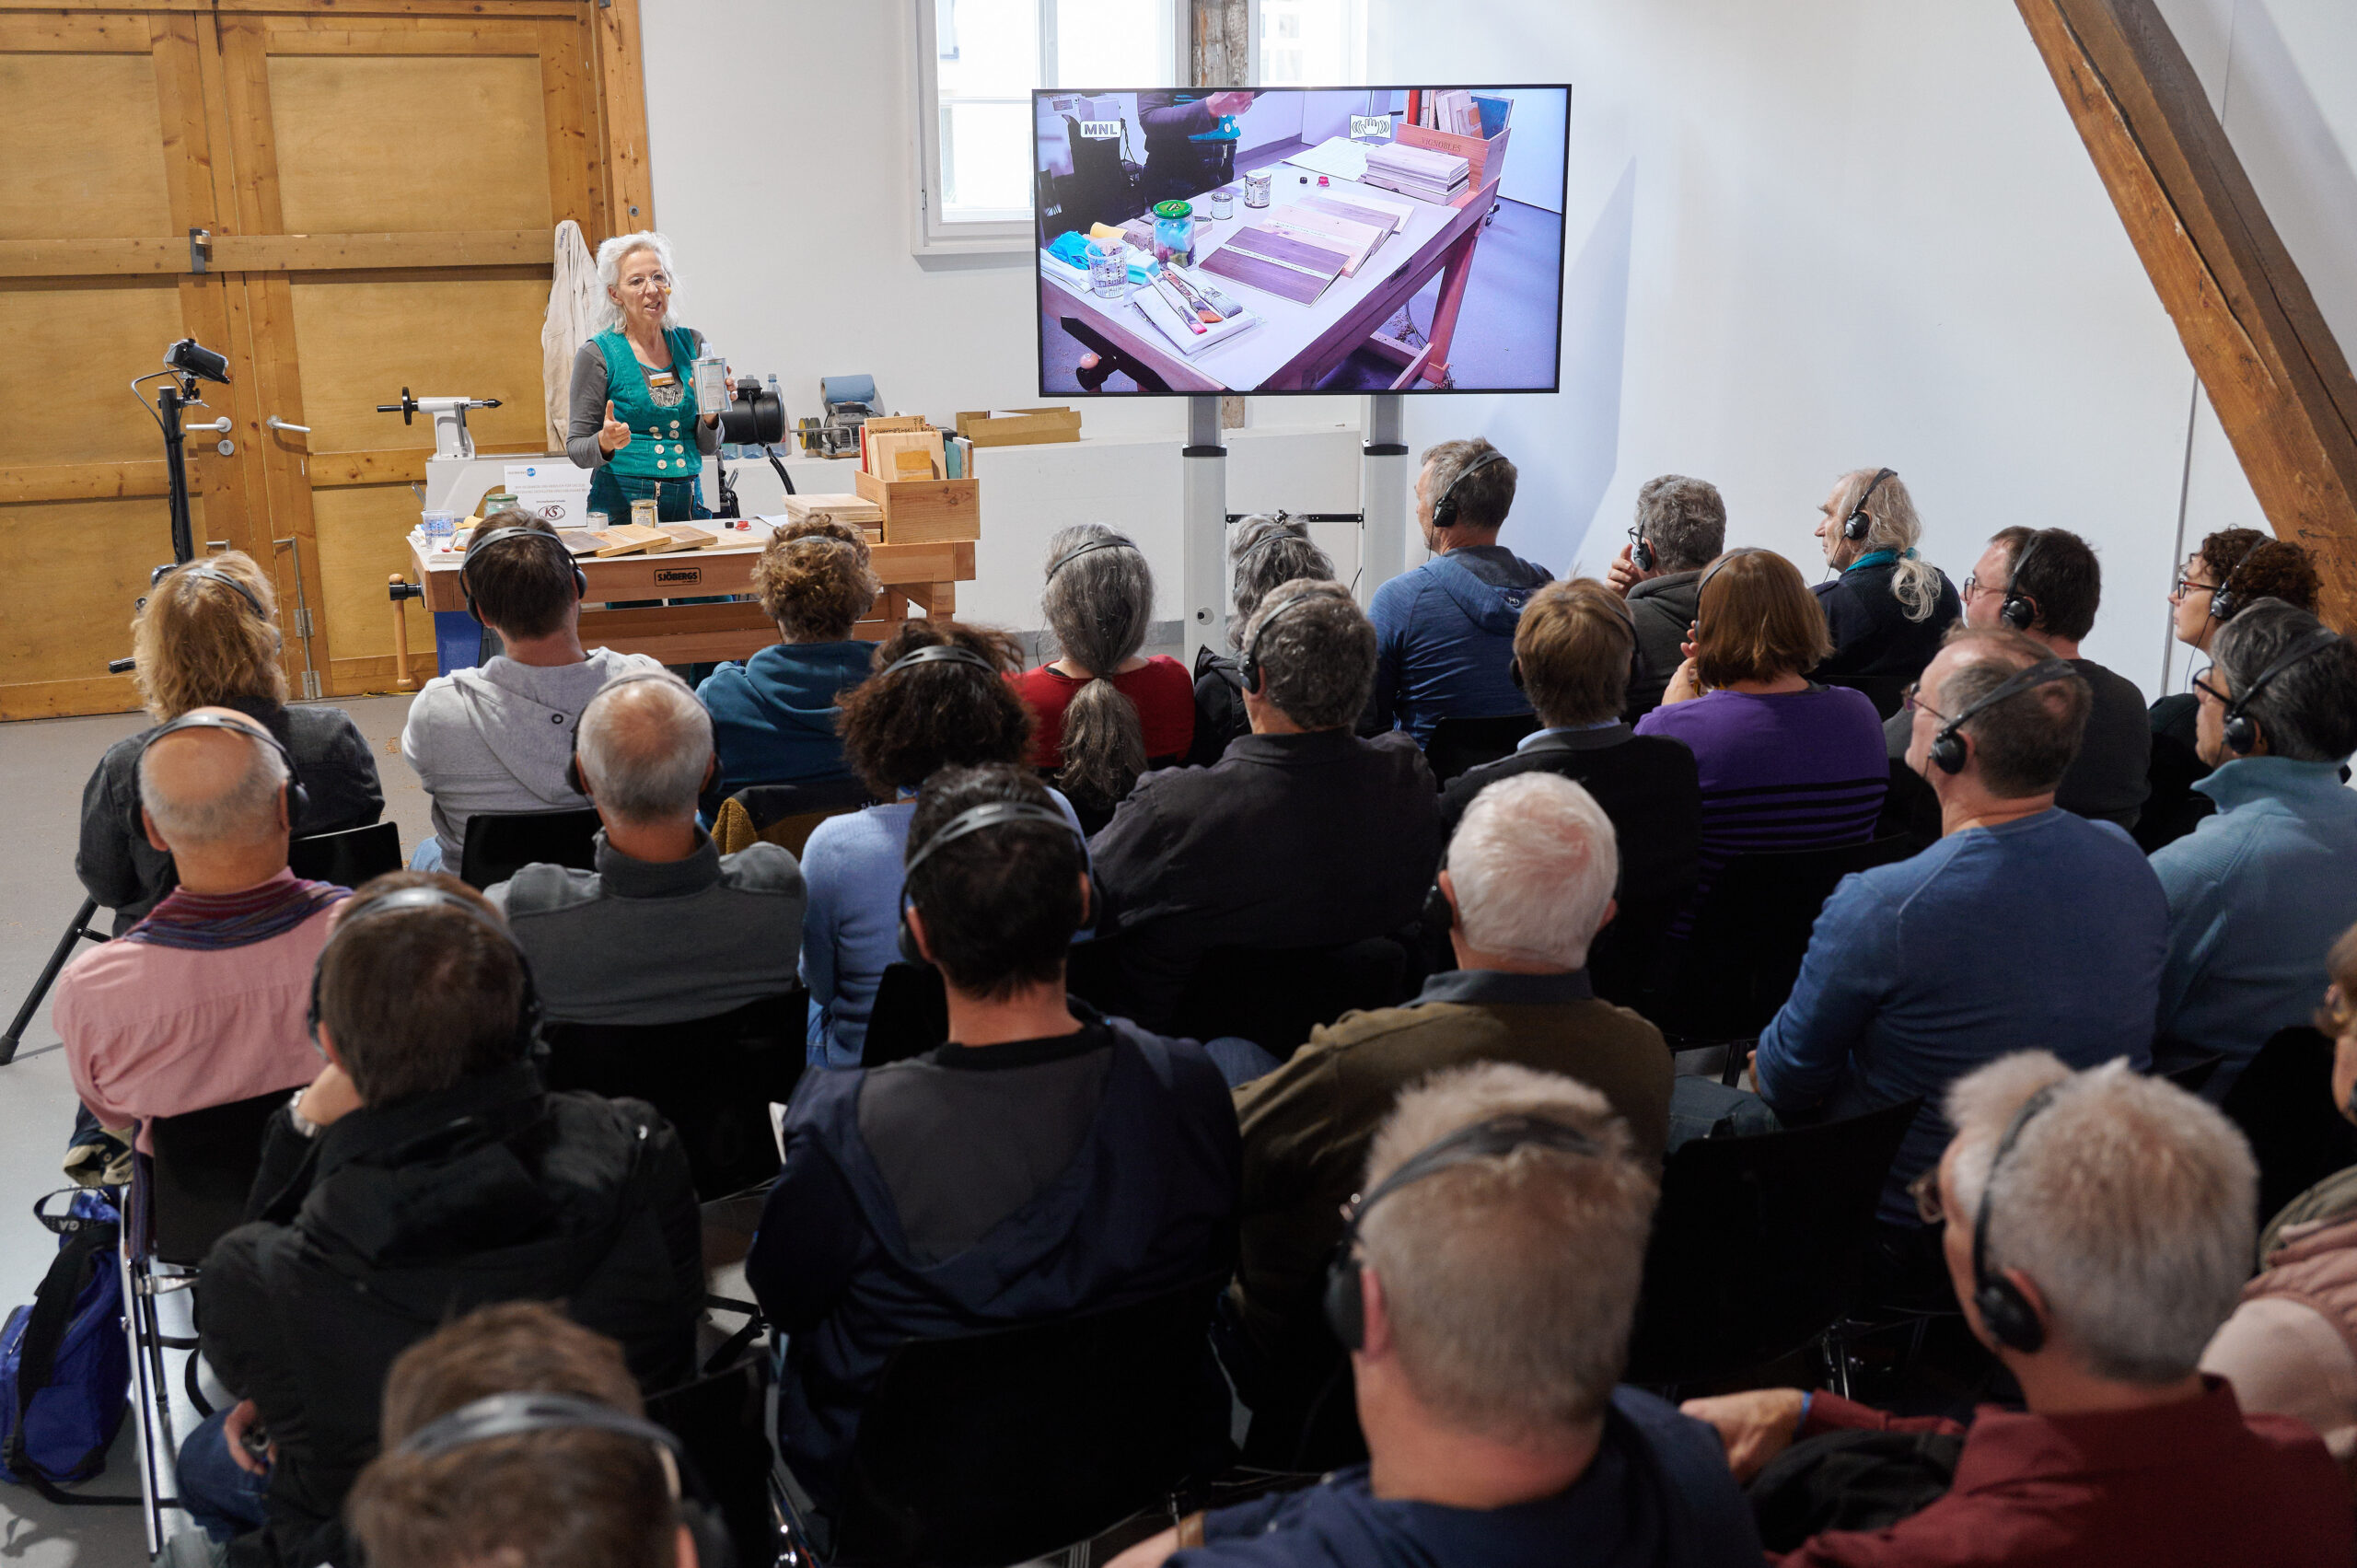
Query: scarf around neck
(211, 922)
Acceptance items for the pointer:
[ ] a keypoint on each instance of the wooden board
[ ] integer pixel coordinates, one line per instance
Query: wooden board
(362, 537)
(69, 574)
(884, 452)
(1286, 283)
(82, 176)
(1342, 207)
(629, 539)
(854, 509)
(1323, 260)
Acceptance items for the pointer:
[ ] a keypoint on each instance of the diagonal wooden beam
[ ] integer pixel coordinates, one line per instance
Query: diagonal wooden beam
(2279, 383)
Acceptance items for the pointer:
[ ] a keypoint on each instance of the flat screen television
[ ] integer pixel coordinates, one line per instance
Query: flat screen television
(1300, 239)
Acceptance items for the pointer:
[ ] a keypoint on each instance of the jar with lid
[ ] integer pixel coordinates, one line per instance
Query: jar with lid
(1174, 232)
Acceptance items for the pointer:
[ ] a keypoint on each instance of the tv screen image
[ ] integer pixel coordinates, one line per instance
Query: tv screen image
(1328, 240)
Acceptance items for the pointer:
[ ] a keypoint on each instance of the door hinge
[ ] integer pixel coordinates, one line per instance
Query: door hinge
(200, 248)
(302, 622)
(311, 685)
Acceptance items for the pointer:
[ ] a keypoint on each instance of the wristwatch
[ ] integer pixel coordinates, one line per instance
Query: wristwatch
(304, 1127)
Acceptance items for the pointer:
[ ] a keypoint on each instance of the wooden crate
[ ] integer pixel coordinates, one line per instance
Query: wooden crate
(1020, 427)
(925, 511)
(1487, 158)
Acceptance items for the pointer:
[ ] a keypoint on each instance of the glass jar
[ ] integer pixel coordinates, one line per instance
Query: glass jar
(1174, 232)
(1109, 268)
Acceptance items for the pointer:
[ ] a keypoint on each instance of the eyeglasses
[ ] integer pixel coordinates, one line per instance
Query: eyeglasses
(2201, 684)
(1972, 588)
(2186, 585)
(1925, 1190)
(1913, 698)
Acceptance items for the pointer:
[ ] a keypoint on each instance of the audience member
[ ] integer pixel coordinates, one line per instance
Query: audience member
(1045, 1162)
(2045, 584)
(1574, 641)
(2023, 922)
(1889, 607)
(423, 1173)
(499, 737)
(1444, 630)
(1304, 835)
(2098, 1227)
(576, 1481)
(1528, 882)
(774, 715)
(667, 928)
(2291, 1347)
(937, 700)
(1785, 762)
(2232, 568)
(1265, 549)
(1105, 713)
(205, 637)
(1486, 1293)
(202, 1002)
(2257, 892)
(1681, 526)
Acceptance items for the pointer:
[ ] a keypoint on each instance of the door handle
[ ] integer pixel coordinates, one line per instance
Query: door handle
(223, 426)
(275, 422)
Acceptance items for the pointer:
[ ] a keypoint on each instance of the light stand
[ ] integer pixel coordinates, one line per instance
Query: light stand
(178, 392)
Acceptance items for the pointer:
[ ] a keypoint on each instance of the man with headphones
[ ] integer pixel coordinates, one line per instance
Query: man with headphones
(2257, 892)
(200, 1003)
(424, 1172)
(499, 737)
(1046, 1161)
(1444, 630)
(2022, 923)
(1484, 1283)
(2098, 1228)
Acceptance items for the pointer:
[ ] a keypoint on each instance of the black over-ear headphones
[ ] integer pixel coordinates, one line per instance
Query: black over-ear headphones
(1948, 751)
(1857, 525)
(1444, 509)
(401, 901)
(2222, 602)
(500, 536)
(2241, 729)
(573, 780)
(518, 1415)
(974, 819)
(1715, 568)
(939, 653)
(2019, 611)
(1255, 674)
(1492, 1138)
(1285, 528)
(212, 574)
(1111, 541)
(298, 800)
(2011, 1319)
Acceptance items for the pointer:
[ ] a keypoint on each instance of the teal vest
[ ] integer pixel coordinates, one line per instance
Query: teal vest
(663, 435)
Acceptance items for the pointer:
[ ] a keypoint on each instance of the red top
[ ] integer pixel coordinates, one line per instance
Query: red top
(1164, 692)
(2197, 1482)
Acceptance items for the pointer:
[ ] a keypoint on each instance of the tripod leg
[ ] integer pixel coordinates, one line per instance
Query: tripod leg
(65, 944)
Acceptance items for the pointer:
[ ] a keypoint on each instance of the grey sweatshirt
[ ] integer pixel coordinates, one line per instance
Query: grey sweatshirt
(497, 737)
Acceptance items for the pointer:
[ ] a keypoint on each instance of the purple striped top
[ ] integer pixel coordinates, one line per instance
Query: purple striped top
(1800, 771)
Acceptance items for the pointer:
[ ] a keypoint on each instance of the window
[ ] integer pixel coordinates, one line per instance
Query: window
(978, 62)
(1312, 43)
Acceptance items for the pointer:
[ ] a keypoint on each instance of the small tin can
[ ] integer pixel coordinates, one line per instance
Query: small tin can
(1256, 186)
(1223, 203)
(1174, 232)
(642, 514)
(597, 522)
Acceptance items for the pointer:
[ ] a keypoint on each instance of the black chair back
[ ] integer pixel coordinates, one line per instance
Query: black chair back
(1460, 744)
(714, 1079)
(201, 1170)
(2282, 1102)
(1274, 997)
(1745, 950)
(719, 1419)
(348, 858)
(998, 1447)
(786, 814)
(1759, 1245)
(2187, 1068)
(910, 1016)
(1910, 807)
(501, 843)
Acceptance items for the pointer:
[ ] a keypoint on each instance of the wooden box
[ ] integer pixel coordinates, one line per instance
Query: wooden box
(1020, 427)
(925, 511)
(1486, 160)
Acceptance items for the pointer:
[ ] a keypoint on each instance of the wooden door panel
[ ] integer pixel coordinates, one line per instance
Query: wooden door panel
(69, 574)
(365, 336)
(364, 532)
(90, 338)
(83, 177)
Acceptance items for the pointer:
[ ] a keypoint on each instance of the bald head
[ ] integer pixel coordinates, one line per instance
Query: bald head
(646, 748)
(213, 790)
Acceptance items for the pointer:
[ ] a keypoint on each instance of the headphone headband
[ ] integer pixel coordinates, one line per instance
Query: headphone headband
(990, 814)
(515, 1415)
(2238, 724)
(216, 721)
(2023, 619)
(207, 571)
(401, 901)
(2001, 1304)
(1444, 509)
(1283, 529)
(939, 653)
(499, 535)
(1488, 1139)
(1254, 677)
(1111, 541)
(1945, 745)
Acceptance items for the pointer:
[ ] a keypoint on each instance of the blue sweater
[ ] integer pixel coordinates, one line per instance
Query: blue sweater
(1444, 639)
(774, 715)
(2256, 895)
(2043, 934)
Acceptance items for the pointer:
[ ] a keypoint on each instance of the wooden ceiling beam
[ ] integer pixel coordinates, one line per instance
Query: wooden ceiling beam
(2279, 383)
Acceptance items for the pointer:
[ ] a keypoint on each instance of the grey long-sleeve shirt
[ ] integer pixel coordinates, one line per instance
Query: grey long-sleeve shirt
(588, 413)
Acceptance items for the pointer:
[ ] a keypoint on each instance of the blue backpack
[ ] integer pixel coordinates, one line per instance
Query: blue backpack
(65, 1360)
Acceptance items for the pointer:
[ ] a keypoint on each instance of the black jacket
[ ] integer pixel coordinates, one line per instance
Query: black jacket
(394, 1221)
(1219, 707)
(2107, 781)
(1876, 647)
(126, 874)
(1290, 840)
(1662, 608)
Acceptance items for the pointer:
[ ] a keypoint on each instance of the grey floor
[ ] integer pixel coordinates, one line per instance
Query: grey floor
(44, 764)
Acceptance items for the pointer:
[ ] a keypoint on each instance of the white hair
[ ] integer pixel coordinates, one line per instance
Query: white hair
(611, 256)
(644, 745)
(245, 812)
(1892, 524)
(2129, 1204)
(1533, 862)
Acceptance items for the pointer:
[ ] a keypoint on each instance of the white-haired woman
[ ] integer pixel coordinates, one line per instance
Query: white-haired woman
(1889, 607)
(635, 423)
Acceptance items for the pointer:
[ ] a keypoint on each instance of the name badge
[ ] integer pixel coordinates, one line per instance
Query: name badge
(662, 379)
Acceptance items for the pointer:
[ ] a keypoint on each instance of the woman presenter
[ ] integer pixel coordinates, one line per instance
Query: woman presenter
(636, 423)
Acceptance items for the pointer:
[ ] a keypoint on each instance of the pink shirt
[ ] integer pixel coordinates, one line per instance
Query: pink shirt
(152, 1030)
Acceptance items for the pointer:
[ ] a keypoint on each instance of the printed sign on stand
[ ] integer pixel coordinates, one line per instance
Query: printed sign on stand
(556, 490)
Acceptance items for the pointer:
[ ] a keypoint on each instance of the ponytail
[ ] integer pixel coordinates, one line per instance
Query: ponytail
(1104, 746)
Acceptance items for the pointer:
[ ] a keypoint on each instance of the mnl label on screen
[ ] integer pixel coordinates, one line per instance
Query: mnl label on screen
(1100, 130)
(1377, 125)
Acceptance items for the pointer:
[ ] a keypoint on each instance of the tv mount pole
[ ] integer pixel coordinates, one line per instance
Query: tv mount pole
(1383, 495)
(1202, 490)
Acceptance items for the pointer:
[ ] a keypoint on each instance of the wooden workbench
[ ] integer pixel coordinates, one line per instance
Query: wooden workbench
(919, 579)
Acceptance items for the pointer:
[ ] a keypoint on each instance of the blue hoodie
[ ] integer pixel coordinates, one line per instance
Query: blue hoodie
(1444, 639)
(774, 715)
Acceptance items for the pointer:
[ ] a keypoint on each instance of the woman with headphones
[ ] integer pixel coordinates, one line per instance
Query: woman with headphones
(207, 637)
(1889, 607)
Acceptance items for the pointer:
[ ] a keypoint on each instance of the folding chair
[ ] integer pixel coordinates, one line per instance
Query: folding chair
(785, 814)
(2282, 1102)
(346, 858)
(998, 1447)
(1273, 997)
(501, 843)
(75, 931)
(1460, 745)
